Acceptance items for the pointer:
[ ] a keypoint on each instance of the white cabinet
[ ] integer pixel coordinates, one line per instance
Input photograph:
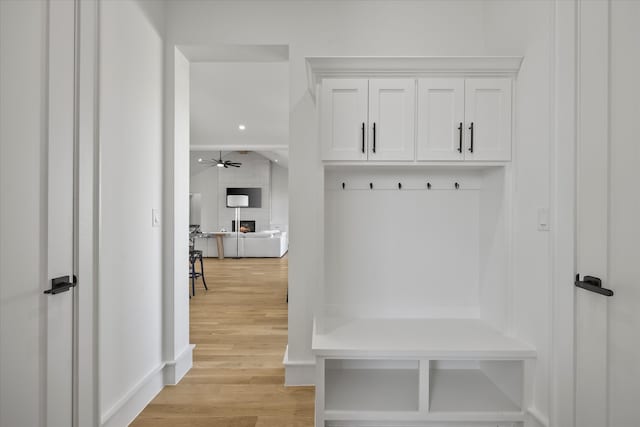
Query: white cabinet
(488, 116)
(374, 119)
(343, 119)
(391, 119)
(440, 119)
(464, 119)
(364, 119)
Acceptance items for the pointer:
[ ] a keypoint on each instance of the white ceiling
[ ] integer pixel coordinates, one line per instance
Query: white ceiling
(225, 95)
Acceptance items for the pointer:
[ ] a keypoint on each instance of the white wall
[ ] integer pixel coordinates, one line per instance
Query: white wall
(130, 130)
(205, 183)
(526, 28)
(22, 212)
(279, 197)
(256, 171)
(398, 253)
(176, 179)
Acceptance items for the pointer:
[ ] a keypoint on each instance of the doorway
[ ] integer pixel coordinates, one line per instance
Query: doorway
(235, 100)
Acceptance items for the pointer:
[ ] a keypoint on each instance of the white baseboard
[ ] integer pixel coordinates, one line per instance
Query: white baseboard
(419, 424)
(132, 403)
(298, 372)
(176, 369)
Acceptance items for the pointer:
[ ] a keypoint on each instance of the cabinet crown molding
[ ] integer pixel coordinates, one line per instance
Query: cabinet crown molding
(322, 67)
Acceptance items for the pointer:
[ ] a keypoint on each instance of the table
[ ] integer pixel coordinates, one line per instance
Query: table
(219, 244)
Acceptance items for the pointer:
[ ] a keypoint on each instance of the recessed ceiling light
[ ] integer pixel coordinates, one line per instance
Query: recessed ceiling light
(276, 160)
(242, 127)
(200, 160)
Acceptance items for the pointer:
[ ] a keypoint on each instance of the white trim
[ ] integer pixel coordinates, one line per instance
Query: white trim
(132, 403)
(392, 418)
(562, 367)
(298, 372)
(537, 416)
(175, 370)
(414, 423)
(319, 68)
(86, 386)
(135, 400)
(335, 164)
(193, 147)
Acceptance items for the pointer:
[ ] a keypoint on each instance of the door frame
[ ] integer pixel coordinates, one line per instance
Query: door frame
(564, 119)
(86, 402)
(570, 70)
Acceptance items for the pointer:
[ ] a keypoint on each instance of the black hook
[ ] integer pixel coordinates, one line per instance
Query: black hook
(371, 186)
(457, 186)
(343, 185)
(399, 186)
(428, 186)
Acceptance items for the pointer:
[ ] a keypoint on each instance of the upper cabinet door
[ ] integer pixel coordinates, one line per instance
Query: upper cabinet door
(440, 119)
(488, 119)
(391, 119)
(343, 119)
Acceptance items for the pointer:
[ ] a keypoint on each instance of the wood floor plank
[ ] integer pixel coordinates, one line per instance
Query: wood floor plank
(239, 327)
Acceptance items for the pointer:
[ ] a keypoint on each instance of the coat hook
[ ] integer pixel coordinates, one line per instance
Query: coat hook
(428, 186)
(399, 186)
(457, 186)
(343, 185)
(371, 186)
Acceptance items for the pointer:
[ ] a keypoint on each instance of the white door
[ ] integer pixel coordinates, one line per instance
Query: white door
(36, 212)
(440, 119)
(343, 119)
(61, 214)
(608, 227)
(488, 119)
(392, 104)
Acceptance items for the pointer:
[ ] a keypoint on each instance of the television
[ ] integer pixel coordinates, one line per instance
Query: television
(255, 195)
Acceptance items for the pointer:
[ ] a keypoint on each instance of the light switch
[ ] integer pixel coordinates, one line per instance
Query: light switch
(543, 219)
(155, 217)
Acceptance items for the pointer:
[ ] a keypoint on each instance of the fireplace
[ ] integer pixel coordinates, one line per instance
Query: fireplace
(245, 226)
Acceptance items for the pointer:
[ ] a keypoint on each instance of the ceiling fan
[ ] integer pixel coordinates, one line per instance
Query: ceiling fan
(219, 162)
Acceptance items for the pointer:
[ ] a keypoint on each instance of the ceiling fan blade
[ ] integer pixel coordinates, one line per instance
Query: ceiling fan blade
(234, 165)
(225, 165)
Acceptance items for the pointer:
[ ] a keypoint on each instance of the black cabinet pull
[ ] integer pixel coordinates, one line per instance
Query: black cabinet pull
(593, 284)
(363, 137)
(374, 137)
(460, 143)
(471, 145)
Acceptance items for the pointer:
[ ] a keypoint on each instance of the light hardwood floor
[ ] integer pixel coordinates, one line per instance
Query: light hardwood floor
(239, 327)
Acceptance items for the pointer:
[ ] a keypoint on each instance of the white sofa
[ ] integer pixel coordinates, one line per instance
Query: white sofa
(263, 244)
